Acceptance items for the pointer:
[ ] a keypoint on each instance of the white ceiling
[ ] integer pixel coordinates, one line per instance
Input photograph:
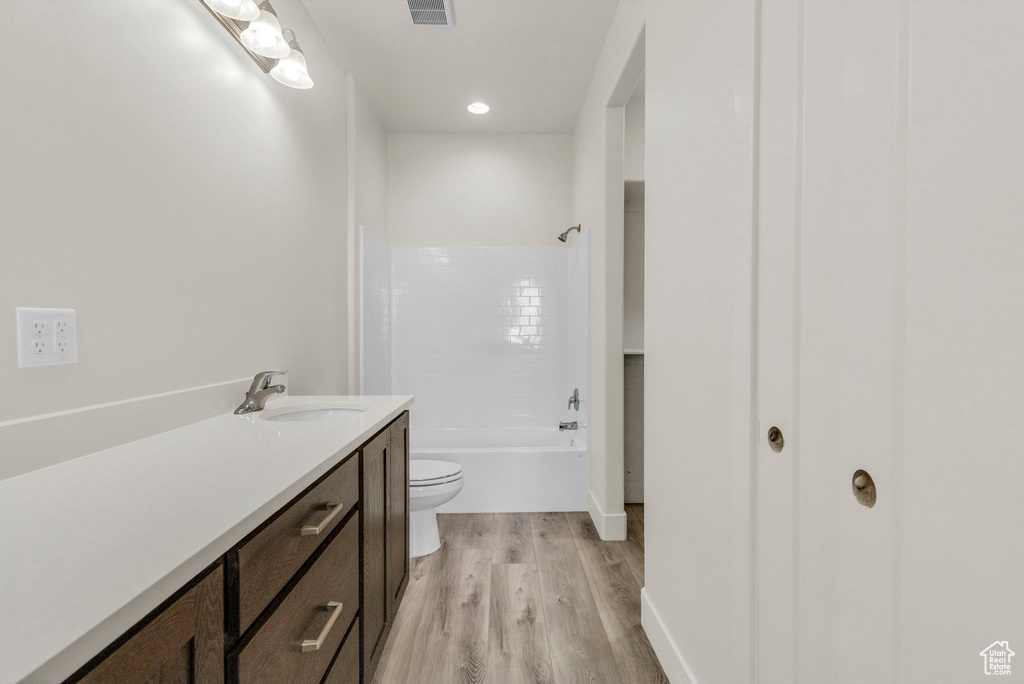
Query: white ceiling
(530, 60)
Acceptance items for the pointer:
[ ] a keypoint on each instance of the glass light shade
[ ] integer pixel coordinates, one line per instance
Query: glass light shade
(242, 10)
(263, 35)
(291, 70)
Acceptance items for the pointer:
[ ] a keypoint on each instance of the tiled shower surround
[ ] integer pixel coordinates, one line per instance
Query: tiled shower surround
(375, 268)
(481, 336)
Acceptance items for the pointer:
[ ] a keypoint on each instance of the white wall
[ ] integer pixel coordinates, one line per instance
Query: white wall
(369, 155)
(367, 211)
(187, 205)
(598, 198)
(579, 331)
(699, 234)
(698, 339)
(479, 190)
(636, 109)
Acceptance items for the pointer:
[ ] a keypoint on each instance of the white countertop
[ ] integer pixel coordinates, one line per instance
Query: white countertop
(90, 546)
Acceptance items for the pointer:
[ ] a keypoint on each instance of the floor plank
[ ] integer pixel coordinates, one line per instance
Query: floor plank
(581, 526)
(518, 642)
(466, 530)
(412, 624)
(580, 651)
(512, 538)
(466, 596)
(441, 635)
(617, 595)
(525, 598)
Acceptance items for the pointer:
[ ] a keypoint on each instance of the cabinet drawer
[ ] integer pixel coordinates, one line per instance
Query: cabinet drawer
(270, 559)
(298, 641)
(182, 643)
(346, 668)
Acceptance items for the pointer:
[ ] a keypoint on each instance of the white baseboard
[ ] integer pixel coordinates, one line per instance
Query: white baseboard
(671, 659)
(611, 526)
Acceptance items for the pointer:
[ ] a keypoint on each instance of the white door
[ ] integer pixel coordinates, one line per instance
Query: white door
(890, 339)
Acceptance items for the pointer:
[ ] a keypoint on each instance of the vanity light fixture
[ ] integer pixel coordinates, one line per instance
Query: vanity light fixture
(291, 70)
(263, 35)
(243, 10)
(478, 108)
(275, 51)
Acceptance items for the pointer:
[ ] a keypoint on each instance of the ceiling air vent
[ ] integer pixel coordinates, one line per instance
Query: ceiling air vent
(431, 12)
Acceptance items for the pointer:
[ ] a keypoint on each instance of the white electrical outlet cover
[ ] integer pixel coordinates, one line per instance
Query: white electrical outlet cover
(47, 337)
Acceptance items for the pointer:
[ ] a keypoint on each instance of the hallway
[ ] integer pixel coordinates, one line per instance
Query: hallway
(517, 598)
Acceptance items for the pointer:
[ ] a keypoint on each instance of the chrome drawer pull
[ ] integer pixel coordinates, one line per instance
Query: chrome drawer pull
(317, 529)
(315, 644)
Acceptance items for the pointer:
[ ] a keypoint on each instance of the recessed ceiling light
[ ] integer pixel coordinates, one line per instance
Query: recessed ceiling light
(478, 108)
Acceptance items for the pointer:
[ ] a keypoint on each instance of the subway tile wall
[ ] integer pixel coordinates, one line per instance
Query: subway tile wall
(375, 302)
(481, 335)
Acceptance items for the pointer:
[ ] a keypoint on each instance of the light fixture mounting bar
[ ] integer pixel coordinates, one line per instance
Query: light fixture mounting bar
(235, 28)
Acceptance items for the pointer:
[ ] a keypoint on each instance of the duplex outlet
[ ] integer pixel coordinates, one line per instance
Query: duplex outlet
(47, 337)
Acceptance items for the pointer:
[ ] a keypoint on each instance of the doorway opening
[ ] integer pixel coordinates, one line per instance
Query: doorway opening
(633, 298)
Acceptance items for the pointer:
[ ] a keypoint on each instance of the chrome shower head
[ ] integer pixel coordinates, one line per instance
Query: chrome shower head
(565, 236)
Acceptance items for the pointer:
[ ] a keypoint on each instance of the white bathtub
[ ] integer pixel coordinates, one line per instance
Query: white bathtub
(510, 469)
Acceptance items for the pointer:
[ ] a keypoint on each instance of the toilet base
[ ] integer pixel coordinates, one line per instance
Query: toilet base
(423, 536)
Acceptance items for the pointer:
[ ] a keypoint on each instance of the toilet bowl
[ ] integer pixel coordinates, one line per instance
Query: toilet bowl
(431, 483)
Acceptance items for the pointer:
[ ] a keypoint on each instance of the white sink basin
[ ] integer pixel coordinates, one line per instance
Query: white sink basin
(306, 412)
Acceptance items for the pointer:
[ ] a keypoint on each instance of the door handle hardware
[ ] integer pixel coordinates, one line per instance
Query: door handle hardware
(317, 529)
(315, 644)
(775, 439)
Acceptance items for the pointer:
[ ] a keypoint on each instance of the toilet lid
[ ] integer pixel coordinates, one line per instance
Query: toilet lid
(423, 472)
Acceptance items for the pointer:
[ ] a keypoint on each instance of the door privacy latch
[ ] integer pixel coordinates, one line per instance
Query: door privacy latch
(864, 488)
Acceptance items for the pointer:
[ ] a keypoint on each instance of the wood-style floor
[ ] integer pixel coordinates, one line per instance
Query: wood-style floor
(517, 598)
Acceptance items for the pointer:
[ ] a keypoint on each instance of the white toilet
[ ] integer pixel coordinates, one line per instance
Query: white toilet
(431, 483)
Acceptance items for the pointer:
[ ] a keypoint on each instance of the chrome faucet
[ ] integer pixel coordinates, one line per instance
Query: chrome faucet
(260, 391)
(574, 400)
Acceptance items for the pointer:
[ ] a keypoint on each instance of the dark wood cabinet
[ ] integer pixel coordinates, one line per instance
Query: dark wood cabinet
(385, 506)
(268, 558)
(308, 597)
(397, 512)
(181, 642)
(345, 669)
(299, 638)
(373, 504)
